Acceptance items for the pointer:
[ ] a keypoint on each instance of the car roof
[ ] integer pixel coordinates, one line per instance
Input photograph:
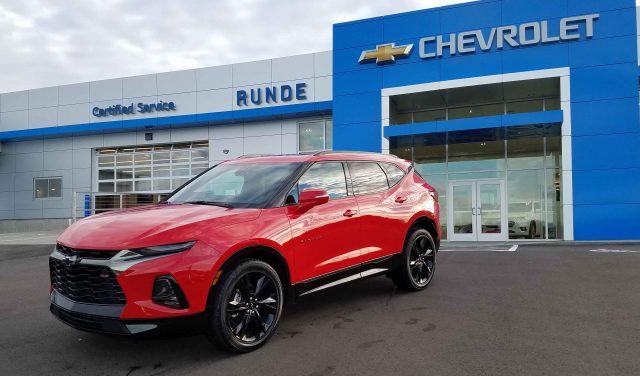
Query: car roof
(322, 156)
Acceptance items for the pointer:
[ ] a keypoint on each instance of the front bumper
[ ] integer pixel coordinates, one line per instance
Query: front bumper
(135, 277)
(100, 318)
(105, 319)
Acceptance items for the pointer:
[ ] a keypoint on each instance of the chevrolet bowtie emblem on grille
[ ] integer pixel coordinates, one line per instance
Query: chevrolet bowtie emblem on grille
(385, 53)
(71, 260)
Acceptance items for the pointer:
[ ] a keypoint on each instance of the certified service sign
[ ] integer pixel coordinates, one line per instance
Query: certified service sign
(142, 108)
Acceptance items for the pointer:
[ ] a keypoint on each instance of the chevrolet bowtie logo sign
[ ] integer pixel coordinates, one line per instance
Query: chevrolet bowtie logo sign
(385, 53)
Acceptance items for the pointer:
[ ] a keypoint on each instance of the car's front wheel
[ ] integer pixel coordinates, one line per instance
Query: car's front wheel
(418, 263)
(246, 306)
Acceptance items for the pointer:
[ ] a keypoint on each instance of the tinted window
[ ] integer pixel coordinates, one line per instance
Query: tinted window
(368, 177)
(327, 176)
(47, 188)
(394, 173)
(238, 184)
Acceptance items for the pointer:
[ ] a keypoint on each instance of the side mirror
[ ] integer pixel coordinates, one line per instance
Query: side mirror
(313, 197)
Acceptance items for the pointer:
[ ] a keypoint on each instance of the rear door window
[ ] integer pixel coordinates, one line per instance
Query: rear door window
(368, 177)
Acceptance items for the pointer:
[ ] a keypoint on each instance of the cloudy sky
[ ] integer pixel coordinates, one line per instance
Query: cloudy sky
(52, 42)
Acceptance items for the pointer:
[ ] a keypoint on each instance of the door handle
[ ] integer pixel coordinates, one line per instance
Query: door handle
(401, 200)
(473, 211)
(350, 213)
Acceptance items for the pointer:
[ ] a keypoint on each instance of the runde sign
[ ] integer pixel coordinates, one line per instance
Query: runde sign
(385, 53)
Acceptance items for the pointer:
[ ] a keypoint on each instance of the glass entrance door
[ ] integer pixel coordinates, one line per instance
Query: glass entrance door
(477, 211)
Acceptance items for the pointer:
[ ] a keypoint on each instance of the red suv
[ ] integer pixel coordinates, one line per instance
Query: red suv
(236, 242)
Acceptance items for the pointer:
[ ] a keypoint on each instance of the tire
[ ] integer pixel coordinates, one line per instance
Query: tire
(532, 230)
(246, 307)
(418, 264)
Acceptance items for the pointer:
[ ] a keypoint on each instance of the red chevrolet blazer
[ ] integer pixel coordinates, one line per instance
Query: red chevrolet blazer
(235, 243)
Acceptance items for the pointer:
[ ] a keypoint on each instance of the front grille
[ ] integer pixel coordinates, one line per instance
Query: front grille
(86, 253)
(86, 283)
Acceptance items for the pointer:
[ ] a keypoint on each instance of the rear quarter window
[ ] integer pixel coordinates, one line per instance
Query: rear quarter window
(394, 173)
(368, 178)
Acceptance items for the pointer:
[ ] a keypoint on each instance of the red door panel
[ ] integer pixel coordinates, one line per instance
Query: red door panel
(383, 211)
(383, 224)
(325, 237)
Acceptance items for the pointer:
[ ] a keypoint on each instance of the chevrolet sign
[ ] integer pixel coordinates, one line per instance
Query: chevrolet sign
(467, 42)
(526, 34)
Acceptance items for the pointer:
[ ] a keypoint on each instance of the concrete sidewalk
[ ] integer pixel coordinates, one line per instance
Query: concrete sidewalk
(30, 238)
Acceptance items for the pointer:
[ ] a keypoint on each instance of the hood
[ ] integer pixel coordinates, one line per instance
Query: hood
(151, 225)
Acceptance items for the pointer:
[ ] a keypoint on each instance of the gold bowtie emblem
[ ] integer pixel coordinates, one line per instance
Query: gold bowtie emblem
(385, 53)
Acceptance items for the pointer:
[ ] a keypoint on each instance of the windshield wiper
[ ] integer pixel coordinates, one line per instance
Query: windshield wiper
(212, 203)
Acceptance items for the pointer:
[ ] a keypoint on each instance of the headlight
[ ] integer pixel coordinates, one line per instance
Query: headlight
(163, 249)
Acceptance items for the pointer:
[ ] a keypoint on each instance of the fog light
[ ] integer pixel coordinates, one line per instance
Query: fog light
(167, 292)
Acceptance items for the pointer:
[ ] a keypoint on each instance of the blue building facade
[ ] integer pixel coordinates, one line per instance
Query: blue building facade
(587, 47)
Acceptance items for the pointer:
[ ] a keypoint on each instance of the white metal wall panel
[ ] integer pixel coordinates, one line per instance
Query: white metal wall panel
(215, 100)
(45, 97)
(323, 63)
(43, 117)
(292, 68)
(214, 77)
(139, 86)
(74, 93)
(16, 101)
(14, 120)
(177, 82)
(252, 73)
(106, 90)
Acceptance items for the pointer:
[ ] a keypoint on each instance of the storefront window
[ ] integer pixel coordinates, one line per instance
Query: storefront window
(477, 150)
(432, 115)
(526, 196)
(525, 148)
(476, 111)
(552, 104)
(553, 158)
(315, 135)
(401, 146)
(554, 203)
(430, 152)
(526, 159)
(521, 107)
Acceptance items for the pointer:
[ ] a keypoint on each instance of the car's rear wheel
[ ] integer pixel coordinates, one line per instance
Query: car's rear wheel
(246, 306)
(418, 262)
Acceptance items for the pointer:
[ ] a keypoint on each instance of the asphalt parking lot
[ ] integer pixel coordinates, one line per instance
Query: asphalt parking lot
(541, 310)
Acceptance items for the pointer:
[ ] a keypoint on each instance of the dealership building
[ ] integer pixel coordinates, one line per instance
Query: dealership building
(524, 115)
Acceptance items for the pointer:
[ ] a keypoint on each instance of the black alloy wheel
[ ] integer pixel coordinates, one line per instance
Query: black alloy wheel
(252, 307)
(422, 261)
(246, 306)
(418, 262)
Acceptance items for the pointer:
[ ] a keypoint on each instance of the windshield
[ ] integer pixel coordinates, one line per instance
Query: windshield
(237, 185)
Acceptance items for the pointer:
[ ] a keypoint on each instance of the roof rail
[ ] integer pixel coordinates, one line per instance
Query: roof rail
(254, 156)
(325, 152)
